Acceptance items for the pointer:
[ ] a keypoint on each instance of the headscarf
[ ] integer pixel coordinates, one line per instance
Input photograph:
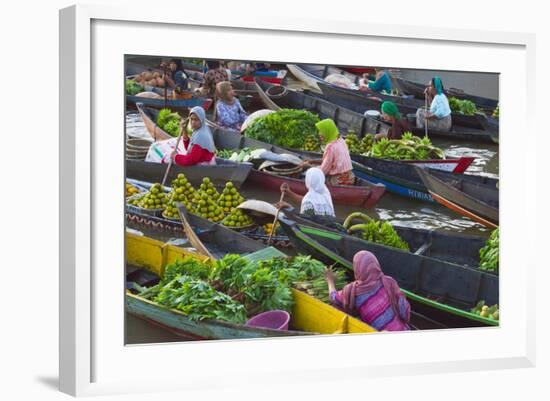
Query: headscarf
(438, 85)
(203, 135)
(222, 90)
(328, 129)
(318, 194)
(368, 276)
(390, 108)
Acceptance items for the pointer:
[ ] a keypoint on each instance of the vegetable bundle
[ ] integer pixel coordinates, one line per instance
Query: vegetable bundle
(409, 147)
(234, 287)
(133, 88)
(169, 122)
(466, 107)
(375, 231)
(488, 255)
(286, 127)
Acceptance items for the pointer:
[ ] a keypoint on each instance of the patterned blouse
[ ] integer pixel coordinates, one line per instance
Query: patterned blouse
(376, 310)
(211, 78)
(230, 115)
(336, 158)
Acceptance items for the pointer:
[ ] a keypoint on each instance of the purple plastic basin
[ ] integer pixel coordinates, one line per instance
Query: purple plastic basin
(273, 319)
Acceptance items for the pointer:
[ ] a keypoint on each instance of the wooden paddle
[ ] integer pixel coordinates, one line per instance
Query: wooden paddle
(275, 219)
(426, 115)
(190, 233)
(182, 127)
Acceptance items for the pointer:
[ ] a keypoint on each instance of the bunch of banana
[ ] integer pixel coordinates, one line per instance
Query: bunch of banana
(353, 142)
(375, 231)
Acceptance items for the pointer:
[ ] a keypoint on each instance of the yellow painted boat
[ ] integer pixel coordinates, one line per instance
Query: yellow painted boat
(309, 315)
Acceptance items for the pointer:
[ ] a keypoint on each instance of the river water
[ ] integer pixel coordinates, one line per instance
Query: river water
(395, 209)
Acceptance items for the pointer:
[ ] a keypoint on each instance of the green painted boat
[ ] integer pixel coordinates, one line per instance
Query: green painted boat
(439, 290)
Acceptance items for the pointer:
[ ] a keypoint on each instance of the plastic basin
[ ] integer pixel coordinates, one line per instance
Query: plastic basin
(273, 319)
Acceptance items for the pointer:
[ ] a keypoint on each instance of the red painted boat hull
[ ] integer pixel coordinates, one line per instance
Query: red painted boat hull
(272, 80)
(366, 196)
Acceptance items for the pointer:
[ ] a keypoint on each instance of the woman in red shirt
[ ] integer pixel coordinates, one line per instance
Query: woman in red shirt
(200, 147)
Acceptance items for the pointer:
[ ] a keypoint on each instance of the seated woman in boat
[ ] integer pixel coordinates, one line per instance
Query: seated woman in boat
(336, 162)
(230, 113)
(317, 201)
(381, 84)
(200, 147)
(373, 296)
(176, 77)
(391, 114)
(439, 114)
(215, 74)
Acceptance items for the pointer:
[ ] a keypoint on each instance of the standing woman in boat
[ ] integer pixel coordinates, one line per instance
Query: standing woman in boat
(336, 161)
(438, 116)
(200, 147)
(391, 114)
(317, 201)
(230, 114)
(375, 297)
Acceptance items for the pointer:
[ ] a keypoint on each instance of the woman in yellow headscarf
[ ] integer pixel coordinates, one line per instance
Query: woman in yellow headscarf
(336, 162)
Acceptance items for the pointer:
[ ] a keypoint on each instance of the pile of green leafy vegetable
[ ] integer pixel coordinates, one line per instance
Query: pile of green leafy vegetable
(409, 147)
(133, 88)
(169, 122)
(184, 288)
(488, 255)
(287, 127)
(466, 107)
(234, 287)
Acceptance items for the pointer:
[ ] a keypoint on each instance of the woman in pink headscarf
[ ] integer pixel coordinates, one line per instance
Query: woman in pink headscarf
(376, 298)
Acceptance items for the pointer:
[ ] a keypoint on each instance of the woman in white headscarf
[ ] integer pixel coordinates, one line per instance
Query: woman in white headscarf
(200, 147)
(317, 201)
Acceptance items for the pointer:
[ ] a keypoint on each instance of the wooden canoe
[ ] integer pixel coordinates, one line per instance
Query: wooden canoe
(219, 174)
(457, 248)
(313, 74)
(486, 131)
(309, 315)
(363, 194)
(477, 200)
(417, 90)
(442, 291)
(276, 97)
(402, 178)
(173, 104)
(360, 102)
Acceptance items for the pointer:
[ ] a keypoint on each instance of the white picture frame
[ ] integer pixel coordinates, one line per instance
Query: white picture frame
(93, 358)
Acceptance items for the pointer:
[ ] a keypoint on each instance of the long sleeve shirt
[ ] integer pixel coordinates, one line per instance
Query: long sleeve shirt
(440, 106)
(336, 158)
(230, 115)
(195, 156)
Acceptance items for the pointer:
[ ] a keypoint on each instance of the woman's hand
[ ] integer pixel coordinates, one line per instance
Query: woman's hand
(283, 205)
(284, 187)
(329, 275)
(379, 136)
(173, 155)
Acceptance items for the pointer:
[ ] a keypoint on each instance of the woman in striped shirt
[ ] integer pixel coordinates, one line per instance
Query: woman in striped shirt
(376, 298)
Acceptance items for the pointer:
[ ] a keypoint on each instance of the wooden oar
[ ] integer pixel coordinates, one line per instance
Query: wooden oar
(190, 233)
(275, 220)
(182, 127)
(426, 115)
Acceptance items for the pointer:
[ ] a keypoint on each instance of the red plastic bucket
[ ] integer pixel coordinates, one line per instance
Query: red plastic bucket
(273, 319)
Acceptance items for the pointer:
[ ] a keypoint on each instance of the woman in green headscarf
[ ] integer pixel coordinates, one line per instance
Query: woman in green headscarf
(336, 162)
(391, 114)
(438, 117)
